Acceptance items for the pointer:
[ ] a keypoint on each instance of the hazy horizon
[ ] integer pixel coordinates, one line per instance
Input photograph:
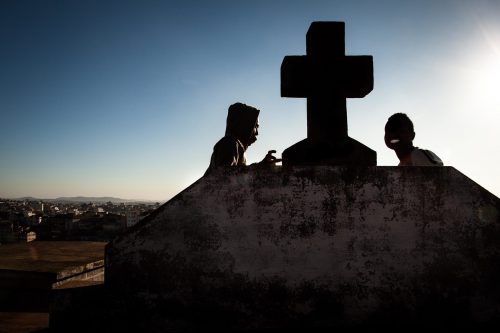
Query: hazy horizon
(87, 198)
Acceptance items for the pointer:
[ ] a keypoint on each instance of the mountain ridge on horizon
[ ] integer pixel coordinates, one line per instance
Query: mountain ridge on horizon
(87, 199)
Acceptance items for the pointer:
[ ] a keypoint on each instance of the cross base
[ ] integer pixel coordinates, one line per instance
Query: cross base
(345, 151)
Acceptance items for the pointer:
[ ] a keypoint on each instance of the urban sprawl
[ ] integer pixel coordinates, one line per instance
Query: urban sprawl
(27, 220)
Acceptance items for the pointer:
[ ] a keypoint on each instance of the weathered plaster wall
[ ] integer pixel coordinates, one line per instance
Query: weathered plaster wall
(314, 247)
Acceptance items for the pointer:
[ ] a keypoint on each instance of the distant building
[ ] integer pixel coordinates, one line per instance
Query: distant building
(33, 218)
(37, 206)
(4, 207)
(132, 217)
(61, 221)
(28, 236)
(114, 223)
(7, 232)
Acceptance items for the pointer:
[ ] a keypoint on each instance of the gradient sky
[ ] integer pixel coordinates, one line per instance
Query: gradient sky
(127, 98)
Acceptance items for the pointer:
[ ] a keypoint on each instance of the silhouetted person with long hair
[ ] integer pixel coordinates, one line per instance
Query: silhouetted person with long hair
(399, 135)
(242, 128)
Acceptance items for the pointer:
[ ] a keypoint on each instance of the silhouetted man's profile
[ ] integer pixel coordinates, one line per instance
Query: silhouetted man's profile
(242, 128)
(399, 135)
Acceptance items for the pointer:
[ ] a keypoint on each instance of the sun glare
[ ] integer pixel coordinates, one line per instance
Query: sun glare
(485, 79)
(481, 80)
(485, 71)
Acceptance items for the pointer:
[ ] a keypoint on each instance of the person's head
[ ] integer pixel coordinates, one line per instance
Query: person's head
(255, 132)
(399, 132)
(243, 123)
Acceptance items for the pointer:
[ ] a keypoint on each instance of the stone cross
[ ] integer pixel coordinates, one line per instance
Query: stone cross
(326, 77)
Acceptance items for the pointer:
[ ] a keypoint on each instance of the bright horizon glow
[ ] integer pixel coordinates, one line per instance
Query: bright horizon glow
(485, 81)
(483, 70)
(126, 99)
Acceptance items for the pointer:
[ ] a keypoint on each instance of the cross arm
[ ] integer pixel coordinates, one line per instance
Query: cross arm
(347, 76)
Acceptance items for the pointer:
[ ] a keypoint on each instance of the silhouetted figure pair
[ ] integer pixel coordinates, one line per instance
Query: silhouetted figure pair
(326, 76)
(242, 128)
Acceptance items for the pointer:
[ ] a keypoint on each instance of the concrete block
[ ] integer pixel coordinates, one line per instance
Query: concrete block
(313, 248)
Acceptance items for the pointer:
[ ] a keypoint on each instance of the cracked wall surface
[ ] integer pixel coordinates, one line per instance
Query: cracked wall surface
(314, 247)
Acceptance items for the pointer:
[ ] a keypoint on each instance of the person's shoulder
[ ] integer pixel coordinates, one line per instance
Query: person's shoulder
(229, 145)
(425, 157)
(228, 141)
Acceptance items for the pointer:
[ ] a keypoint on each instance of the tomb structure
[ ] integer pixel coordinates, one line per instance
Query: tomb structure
(314, 248)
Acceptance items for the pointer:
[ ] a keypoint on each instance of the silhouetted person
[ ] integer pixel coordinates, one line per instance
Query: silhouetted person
(399, 135)
(242, 128)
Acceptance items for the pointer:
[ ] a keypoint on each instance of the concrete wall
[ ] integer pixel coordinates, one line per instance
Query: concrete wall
(30, 271)
(313, 247)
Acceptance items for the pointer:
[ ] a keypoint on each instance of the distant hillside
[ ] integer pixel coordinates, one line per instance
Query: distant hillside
(93, 199)
(89, 199)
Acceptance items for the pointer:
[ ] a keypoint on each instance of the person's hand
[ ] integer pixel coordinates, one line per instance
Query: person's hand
(269, 159)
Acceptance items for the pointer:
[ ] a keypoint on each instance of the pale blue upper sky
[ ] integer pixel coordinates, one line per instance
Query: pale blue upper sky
(127, 98)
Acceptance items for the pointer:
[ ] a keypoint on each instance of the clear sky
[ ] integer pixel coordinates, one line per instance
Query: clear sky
(127, 98)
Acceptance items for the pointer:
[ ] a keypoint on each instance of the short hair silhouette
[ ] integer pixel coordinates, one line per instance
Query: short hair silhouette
(397, 121)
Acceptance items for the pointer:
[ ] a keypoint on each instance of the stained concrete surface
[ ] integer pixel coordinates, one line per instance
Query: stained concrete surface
(317, 248)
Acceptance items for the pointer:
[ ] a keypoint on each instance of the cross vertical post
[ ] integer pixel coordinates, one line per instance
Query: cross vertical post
(326, 77)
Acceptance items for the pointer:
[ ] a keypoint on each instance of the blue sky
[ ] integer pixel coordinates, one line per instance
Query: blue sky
(127, 98)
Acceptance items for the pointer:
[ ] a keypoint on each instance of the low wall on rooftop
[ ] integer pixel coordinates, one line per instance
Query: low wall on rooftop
(313, 247)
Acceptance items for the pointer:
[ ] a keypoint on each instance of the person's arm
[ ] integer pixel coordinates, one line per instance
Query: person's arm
(270, 159)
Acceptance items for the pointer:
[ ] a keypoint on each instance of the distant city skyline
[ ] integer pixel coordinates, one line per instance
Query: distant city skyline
(127, 98)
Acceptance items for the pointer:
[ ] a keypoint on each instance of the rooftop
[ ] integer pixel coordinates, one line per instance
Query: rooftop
(51, 257)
